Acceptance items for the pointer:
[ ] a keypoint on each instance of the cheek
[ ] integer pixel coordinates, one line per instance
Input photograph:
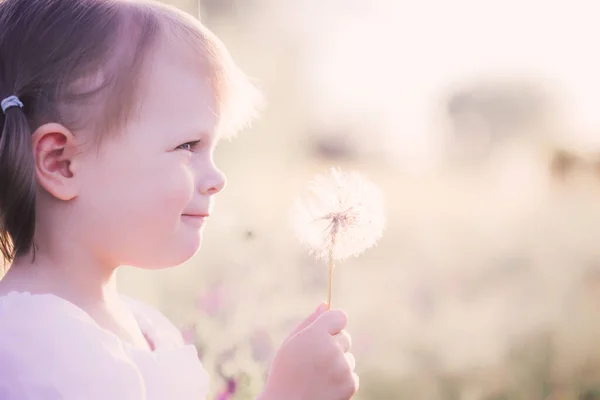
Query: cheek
(150, 197)
(130, 208)
(149, 219)
(173, 188)
(156, 236)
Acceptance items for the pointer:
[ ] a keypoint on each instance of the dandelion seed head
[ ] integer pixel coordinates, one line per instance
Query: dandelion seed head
(343, 214)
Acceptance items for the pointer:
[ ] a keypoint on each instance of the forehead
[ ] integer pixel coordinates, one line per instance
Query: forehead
(176, 94)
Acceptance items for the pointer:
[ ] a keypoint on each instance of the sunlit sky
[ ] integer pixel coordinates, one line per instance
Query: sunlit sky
(391, 61)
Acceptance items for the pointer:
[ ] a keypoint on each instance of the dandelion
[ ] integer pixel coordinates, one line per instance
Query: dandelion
(343, 218)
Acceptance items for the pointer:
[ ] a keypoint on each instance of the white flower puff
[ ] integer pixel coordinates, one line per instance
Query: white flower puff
(343, 217)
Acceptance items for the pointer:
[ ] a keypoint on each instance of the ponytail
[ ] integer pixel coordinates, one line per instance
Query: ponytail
(17, 184)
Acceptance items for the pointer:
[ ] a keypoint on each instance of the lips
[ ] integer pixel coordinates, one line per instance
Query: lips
(198, 215)
(196, 220)
(197, 212)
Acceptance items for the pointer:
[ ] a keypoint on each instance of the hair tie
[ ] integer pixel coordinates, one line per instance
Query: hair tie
(10, 101)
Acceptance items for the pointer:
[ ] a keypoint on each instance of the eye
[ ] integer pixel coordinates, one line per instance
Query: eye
(189, 146)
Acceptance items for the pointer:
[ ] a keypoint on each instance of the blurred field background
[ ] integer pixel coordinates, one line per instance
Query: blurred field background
(479, 120)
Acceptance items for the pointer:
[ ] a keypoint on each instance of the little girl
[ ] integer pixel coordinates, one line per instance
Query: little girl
(111, 110)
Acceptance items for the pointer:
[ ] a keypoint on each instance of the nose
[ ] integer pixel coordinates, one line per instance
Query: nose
(212, 182)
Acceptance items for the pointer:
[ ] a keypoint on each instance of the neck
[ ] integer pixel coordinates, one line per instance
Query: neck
(63, 268)
(67, 264)
(80, 281)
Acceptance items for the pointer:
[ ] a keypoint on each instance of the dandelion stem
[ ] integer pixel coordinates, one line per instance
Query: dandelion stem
(331, 267)
(331, 264)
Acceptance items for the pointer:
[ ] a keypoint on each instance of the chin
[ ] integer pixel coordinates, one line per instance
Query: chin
(173, 255)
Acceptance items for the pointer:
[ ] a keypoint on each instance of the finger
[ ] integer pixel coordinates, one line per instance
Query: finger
(350, 360)
(356, 380)
(310, 319)
(333, 321)
(344, 340)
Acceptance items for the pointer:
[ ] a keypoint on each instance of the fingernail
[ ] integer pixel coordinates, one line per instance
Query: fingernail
(322, 307)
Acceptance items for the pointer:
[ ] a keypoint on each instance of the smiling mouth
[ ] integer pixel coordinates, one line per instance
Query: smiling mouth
(195, 220)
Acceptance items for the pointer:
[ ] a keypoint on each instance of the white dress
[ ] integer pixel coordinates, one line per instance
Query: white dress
(50, 349)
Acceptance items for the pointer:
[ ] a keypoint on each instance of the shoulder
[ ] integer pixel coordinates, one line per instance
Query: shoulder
(187, 377)
(50, 350)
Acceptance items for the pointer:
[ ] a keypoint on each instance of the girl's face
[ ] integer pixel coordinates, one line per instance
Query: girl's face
(146, 194)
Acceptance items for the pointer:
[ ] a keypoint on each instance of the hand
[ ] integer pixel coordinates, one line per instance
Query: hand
(314, 362)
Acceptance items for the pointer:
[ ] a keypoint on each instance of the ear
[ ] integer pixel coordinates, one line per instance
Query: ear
(54, 150)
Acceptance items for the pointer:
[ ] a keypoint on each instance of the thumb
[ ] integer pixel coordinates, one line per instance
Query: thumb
(333, 322)
(309, 320)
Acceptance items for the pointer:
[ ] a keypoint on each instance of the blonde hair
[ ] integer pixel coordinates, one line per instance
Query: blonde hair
(238, 99)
